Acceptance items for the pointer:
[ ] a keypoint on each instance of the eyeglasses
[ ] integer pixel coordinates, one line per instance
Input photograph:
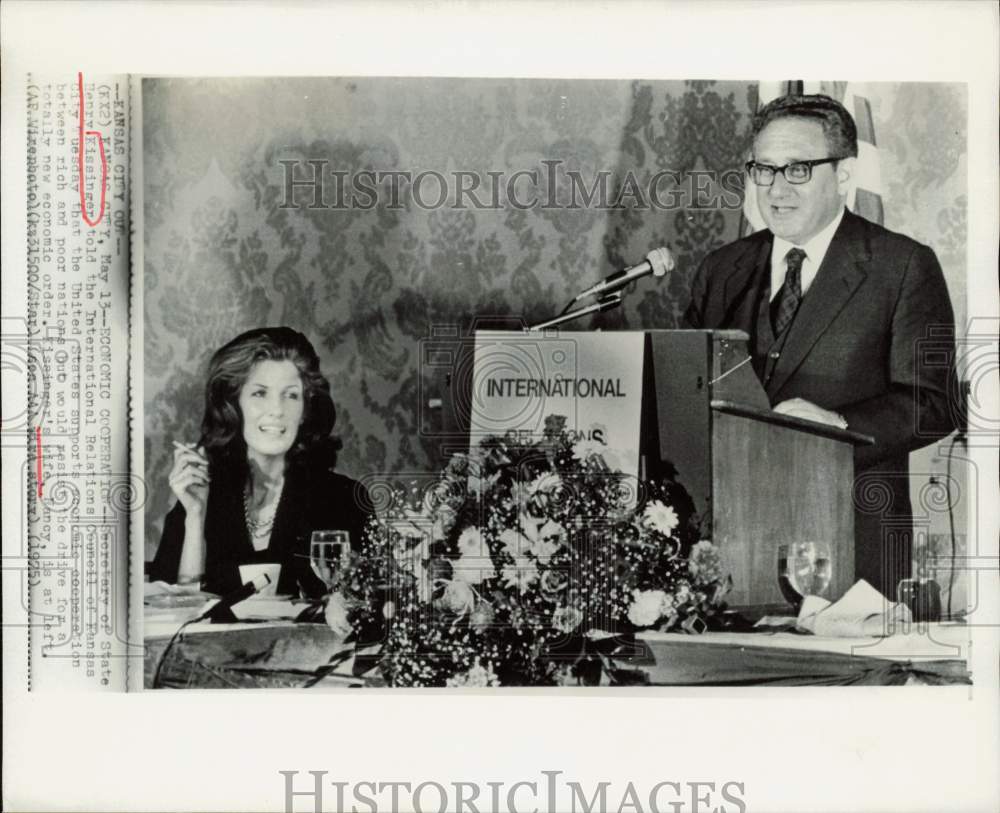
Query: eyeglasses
(795, 173)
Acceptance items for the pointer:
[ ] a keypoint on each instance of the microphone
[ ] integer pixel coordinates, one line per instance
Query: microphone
(658, 262)
(605, 304)
(221, 612)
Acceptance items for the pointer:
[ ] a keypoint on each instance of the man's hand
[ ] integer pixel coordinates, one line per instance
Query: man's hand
(800, 408)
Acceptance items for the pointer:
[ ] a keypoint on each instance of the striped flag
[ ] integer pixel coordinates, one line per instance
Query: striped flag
(864, 197)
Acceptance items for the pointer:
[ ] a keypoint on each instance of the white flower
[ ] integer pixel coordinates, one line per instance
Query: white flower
(705, 564)
(458, 597)
(473, 569)
(482, 617)
(521, 574)
(542, 542)
(660, 517)
(647, 607)
(336, 615)
(535, 496)
(585, 449)
(566, 619)
(544, 550)
(544, 483)
(515, 543)
(553, 581)
(470, 542)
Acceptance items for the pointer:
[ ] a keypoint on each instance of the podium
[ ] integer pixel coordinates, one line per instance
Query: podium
(758, 479)
(763, 479)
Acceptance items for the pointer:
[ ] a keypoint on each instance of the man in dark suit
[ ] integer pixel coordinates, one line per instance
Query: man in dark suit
(840, 313)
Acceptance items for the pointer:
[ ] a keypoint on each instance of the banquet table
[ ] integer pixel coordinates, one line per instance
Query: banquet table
(284, 654)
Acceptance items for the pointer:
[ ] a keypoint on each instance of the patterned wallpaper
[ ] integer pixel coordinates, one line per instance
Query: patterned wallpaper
(366, 284)
(922, 133)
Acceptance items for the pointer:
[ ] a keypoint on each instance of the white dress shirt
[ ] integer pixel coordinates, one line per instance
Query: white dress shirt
(815, 250)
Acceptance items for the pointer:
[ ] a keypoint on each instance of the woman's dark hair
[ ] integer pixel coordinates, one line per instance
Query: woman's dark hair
(838, 126)
(222, 426)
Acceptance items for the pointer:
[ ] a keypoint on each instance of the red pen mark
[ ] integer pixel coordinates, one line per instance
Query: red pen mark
(80, 152)
(38, 459)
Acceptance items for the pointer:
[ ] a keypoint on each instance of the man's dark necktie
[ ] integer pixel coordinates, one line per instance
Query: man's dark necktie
(791, 292)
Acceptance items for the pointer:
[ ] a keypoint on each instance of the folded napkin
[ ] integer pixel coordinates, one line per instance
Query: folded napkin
(861, 611)
(150, 589)
(164, 596)
(269, 608)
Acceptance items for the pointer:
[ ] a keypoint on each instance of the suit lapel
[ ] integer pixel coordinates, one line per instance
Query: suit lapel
(740, 287)
(843, 269)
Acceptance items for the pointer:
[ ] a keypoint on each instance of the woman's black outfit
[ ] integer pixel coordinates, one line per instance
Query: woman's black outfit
(314, 498)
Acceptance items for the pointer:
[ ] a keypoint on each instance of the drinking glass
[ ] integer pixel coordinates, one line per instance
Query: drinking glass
(804, 569)
(328, 552)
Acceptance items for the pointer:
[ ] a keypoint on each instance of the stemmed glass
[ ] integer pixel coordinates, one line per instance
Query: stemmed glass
(328, 552)
(804, 569)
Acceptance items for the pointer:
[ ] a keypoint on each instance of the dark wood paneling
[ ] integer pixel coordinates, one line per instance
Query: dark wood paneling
(774, 485)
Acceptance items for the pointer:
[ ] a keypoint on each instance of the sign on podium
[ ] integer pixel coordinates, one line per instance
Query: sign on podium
(593, 380)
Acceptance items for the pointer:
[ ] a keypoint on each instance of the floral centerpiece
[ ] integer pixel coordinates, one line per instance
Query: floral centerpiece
(523, 563)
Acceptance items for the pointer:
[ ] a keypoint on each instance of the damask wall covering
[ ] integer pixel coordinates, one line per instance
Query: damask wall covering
(222, 255)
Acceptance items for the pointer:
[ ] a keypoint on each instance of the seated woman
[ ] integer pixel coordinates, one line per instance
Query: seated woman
(260, 480)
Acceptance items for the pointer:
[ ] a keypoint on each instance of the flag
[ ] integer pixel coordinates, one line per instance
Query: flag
(864, 197)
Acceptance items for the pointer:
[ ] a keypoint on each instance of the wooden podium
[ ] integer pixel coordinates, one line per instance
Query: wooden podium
(759, 479)
(763, 479)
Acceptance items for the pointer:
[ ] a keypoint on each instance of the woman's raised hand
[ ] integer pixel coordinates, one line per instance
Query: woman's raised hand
(189, 477)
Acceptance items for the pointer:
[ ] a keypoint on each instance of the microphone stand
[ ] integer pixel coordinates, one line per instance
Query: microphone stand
(607, 303)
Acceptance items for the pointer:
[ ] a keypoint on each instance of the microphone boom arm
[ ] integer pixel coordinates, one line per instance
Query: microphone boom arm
(607, 303)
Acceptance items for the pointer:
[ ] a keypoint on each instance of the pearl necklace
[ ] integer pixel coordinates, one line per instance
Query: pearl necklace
(261, 526)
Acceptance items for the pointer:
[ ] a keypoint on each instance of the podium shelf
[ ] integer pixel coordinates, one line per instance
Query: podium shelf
(791, 422)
